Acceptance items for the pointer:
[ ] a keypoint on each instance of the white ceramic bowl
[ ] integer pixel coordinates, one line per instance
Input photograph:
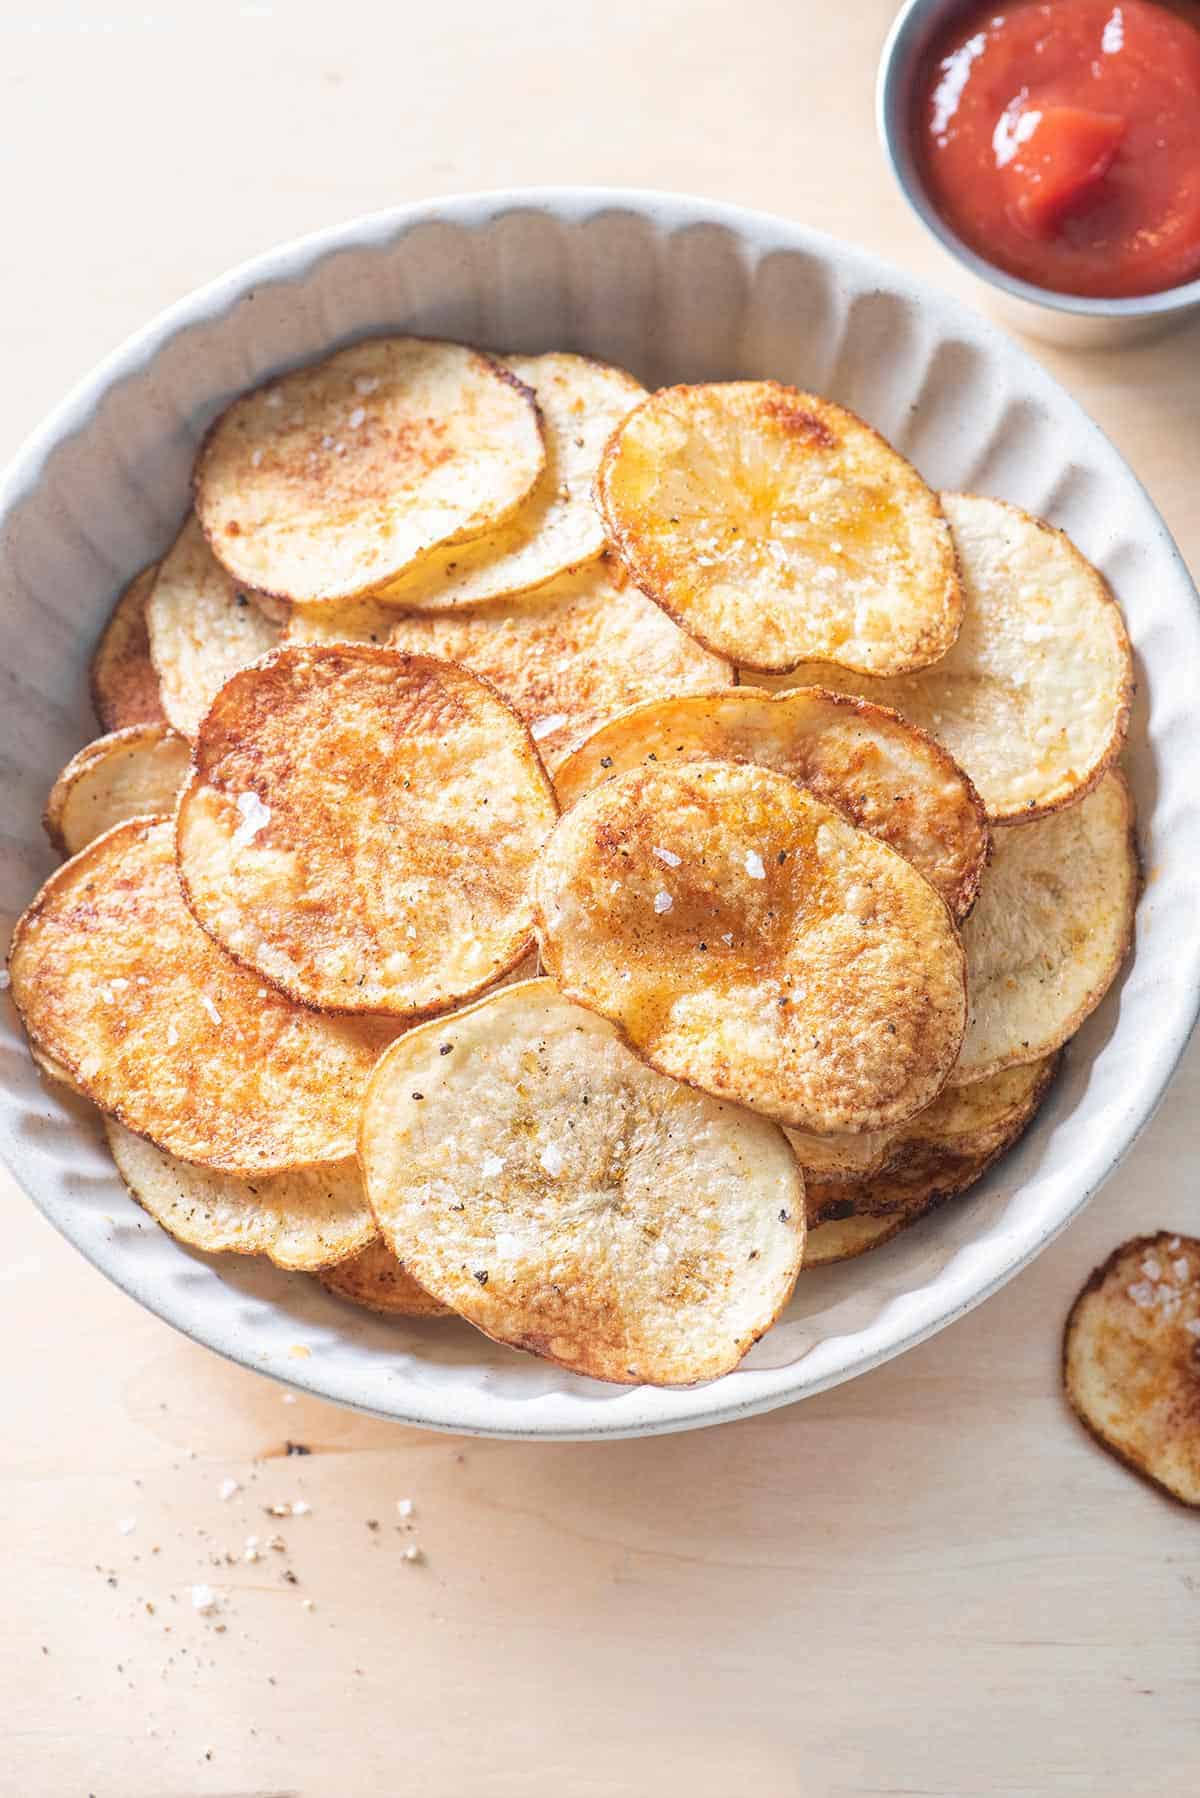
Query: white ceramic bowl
(674, 289)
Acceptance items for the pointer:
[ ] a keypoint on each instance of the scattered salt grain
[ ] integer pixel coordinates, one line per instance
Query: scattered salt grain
(301, 1507)
(366, 383)
(306, 1604)
(551, 1159)
(491, 1166)
(204, 1600)
(727, 937)
(663, 902)
(327, 443)
(1182, 1268)
(255, 817)
(413, 1553)
(127, 1526)
(754, 865)
(1142, 1293)
(256, 459)
(210, 1008)
(545, 727)
(226, 1490)
(666, 855)
(1152, 1267)
(356, 418)
(405, 1506)
(172, 1036)
(106, 994)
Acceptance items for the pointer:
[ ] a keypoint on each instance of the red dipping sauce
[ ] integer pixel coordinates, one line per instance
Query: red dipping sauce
(1060, 139)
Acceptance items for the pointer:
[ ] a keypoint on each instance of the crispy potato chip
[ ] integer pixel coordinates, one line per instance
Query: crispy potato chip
(332, 480)
(1131, 1360)
(203, 628)
(557, 528)
(569, 655)
(569, 1200)
(306, 1219)
(354, 621)
(123, 682)
(1053, 924)
(131, 773)
(117, 983)
(360, 827)
(54, 1070)
(1033, 699)
(778, 528)
(960, 1116)
(843, 1238)
(375, 1280)
(750, 941)
(874, 768)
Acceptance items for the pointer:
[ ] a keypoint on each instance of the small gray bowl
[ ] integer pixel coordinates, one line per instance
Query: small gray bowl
(1074, 321)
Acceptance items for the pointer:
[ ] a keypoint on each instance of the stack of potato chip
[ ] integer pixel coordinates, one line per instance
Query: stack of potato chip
(798, 778)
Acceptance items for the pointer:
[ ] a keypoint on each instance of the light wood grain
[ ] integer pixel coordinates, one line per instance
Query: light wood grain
(927, 1582)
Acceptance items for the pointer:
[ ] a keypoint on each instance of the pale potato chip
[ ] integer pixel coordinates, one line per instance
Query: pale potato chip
(778, 528)
(1033, 699)
(567, 1199)
(131, 773)
(330, 481)
(569, 655)
(117, 983)
(305, 1219)
(353, 621)
(557, 528)
(960, 1117)
(844, 1238)
(122, 678)
(203, 628)
(54, 1070)
(1053, 924)
(375, 1280)
(880, 772)
(748, 940)
(360, 828)
(1131, 1360)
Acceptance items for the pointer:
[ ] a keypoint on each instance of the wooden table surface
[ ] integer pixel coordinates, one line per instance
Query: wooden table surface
(926, 1582)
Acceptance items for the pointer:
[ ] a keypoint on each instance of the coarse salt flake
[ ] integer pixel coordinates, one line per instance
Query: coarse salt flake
(327, 442)
(356, 418)
(1142, 1293)
(412, 1552)
(172, 1036)
(226, 1490)
(668, 856)
(366, 383)
(301, 1507)
(545, 727)
(491, 1166)
(204, 1600)
(127, 1526)
(256, 458)
(663, 902)
(255, 817)
(753, 865)
(1182, 1268)
(551, 1159)
(210, 1008)
(1152, 1267)
(405, 1507)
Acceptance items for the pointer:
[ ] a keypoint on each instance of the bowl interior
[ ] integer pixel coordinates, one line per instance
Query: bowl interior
(674, 290)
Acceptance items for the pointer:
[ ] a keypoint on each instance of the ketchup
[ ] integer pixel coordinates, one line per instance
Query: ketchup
(1060, 139)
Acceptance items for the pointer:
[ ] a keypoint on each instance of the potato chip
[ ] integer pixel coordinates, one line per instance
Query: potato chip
(557, 528)
(778, 528)
(353, 621)
(1052, 926)
(1033, 699)
(844, 1238)
(54, 1070)
(960, 1116)
(1131, 1360)
(878, 771)
(203, 627)
(360, 828)
(375, 1280)
(117, 983)
(569, 655)
(330, 481)
(123, 682)
(305, 1219)
(131, 773)
(748, 940)
(532, 1173)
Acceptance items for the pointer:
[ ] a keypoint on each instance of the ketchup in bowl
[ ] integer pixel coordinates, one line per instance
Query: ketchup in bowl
(1060, 139)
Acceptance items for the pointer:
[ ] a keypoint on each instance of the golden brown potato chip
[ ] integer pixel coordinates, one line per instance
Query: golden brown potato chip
(843, 1238)
(203, 628)
(874, 768)
(1131, 1359)
(331, 480)
(778, 528)
(117, 983)
(360, 827)
(748, 940)
(1033, 699)
(569, 655)
(123, 682)
(306, 1219)
(131, 773)
(1052, 926)
(960, 1117)
(532, 1173)
(375, 1280)
(557, 527)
